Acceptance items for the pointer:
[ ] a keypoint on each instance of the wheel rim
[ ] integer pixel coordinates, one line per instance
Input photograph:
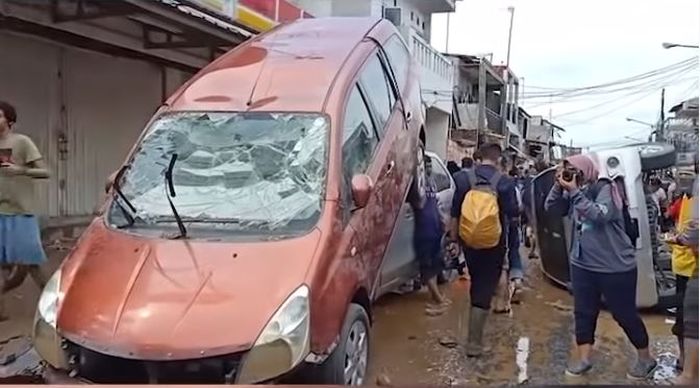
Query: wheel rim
(421, 173)
(356, 351)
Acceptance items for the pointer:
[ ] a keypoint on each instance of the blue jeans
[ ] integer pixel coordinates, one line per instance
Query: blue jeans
(619, 290)
(515, 262)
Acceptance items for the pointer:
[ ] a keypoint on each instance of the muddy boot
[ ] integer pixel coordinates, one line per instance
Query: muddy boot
(477, 320)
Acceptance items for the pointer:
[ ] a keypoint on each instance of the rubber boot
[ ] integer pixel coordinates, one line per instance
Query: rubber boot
(477, 320)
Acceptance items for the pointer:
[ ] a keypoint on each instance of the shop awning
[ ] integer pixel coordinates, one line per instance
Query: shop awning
(175, 32)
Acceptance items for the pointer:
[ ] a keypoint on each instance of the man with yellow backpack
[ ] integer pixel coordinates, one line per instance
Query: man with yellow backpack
(483, 203)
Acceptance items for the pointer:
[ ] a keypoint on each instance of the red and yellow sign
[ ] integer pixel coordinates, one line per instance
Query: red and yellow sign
(259, 15)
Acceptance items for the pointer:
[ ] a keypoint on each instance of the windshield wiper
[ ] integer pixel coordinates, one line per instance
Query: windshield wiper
(170, 193)
(116, 185)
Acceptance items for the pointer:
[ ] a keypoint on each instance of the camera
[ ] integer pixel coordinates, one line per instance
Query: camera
(567, 175)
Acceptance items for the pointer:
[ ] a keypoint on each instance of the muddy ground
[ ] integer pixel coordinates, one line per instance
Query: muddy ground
(409, 347)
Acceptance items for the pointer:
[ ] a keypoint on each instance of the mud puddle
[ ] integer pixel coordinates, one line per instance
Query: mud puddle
(531, 345)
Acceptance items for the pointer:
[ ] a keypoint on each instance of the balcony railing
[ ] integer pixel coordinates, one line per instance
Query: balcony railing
(494, 121)
(430, 58)
(436, 71)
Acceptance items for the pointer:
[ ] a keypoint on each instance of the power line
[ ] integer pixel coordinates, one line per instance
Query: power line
(555, 92)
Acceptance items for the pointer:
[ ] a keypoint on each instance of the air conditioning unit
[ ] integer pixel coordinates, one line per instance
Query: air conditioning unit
(393, 14)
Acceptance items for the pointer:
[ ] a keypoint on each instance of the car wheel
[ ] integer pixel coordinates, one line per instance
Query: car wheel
(657, 156)
(348, 363)
(416, 194)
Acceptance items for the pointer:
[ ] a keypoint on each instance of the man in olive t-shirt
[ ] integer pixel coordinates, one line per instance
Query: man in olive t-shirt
(20, 241)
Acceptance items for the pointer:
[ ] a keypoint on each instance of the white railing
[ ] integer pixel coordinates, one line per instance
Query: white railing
(436, 71)
(430, 58)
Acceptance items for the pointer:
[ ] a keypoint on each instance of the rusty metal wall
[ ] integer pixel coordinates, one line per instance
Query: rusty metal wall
(83, 109)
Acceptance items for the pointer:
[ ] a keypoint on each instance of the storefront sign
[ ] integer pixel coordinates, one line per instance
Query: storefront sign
(225, 8)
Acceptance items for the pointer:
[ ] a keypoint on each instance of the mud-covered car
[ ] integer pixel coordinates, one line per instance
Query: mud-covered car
(246, 236)
(630, 165)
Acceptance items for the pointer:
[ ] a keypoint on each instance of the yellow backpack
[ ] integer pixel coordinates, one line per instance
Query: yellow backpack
(479, 221)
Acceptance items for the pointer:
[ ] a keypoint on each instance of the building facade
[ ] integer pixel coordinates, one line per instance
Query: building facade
(486, 105)
(681, 130)
(86, 76)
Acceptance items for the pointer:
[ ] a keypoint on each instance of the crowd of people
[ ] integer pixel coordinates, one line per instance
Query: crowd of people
(603, 265)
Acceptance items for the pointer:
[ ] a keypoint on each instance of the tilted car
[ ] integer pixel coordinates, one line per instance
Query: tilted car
(245, 236)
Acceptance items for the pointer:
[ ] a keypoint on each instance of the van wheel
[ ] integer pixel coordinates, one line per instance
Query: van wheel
(347, 365)
(416, 194)
(657, 156)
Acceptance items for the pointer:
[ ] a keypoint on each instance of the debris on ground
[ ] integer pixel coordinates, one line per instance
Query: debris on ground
(522, 353)
(561, 306)
(383, 380)
(448, 342)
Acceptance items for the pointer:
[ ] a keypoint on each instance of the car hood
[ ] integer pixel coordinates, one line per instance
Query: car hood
(157, 299)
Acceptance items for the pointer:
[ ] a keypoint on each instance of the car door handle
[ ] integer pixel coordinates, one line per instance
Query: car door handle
(390, 168)
(409, 116)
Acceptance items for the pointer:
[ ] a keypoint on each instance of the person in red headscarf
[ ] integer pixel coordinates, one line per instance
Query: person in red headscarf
(602, 260)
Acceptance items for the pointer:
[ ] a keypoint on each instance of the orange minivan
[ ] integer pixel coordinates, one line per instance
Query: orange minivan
(245, 236)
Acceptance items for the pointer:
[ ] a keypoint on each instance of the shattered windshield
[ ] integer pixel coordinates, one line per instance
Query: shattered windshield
(259, 171)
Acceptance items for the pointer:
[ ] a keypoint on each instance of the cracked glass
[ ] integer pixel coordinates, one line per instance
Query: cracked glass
(253, 171)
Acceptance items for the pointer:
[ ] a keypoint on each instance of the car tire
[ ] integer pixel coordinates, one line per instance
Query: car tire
(657, 156)
(416, 194)
(354, 339)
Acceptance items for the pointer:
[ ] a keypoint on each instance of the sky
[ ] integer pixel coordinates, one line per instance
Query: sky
(576, 43)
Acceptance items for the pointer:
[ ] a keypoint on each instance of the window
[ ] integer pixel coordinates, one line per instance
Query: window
(257, 172)
(379, 92)
(359, 142)
(440, 175)
(359, 136)
(399, 58)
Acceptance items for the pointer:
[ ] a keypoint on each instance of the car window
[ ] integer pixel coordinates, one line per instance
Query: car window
(379, 93)
(440, 175)
(359, 141)
(399, 58)
(257, 172)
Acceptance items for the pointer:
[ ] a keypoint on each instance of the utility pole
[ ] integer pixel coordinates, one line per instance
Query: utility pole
(506, 78)
(510, 34)
(662, 120)
(447, 36)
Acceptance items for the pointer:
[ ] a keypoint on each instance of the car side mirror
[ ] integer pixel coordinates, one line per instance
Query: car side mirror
(362, 187)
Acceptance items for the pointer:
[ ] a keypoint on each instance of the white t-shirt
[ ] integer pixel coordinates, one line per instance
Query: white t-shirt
(658, 197)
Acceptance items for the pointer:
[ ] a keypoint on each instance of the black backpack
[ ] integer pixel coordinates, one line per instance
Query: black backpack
(631, 224)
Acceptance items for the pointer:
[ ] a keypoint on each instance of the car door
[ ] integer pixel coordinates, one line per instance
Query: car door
(376, 85)
(400, 263)
(360, 143)
(445, 186)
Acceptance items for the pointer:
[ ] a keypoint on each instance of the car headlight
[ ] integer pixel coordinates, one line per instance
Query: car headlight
(46, 340)
(283, 343)
(48, 301)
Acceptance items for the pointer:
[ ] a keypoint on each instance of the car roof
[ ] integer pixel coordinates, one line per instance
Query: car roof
(291, 68)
